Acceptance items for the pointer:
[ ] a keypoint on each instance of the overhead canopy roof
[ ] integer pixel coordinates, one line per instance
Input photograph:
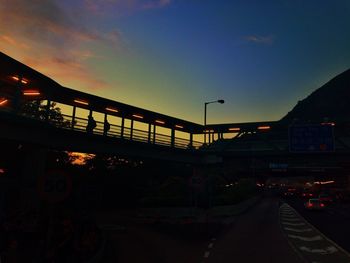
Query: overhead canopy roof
(13, 70)
(51, 90)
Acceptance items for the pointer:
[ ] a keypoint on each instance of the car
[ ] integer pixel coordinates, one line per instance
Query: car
(314, 204)
(325, 198)
(307, 194)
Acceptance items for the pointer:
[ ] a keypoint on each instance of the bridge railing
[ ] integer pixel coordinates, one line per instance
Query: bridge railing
(79, 124)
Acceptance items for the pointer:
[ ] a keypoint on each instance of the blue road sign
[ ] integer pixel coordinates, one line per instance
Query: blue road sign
(311, 138)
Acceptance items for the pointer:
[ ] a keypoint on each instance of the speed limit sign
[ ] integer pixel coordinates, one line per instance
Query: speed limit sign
(55, 186)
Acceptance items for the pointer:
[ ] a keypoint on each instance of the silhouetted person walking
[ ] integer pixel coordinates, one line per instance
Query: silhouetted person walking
(106, 127)
(91, 124)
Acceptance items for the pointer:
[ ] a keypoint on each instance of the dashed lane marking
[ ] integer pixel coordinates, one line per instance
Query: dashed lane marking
(327, 250)
(291, 219)
(293, 224)
(309, 243)
(308, 239)
(298, 230)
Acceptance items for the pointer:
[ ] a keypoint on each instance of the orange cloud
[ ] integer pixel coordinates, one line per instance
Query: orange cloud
(43, 35)
(122, 6)
(11, 41)
(78, 158)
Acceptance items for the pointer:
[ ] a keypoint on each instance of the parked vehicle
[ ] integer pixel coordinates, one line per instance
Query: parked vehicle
(314, 204)
(325, 198)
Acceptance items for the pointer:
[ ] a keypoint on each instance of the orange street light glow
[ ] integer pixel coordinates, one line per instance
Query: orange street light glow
(234, 129)
(24, 81)
(137, 116)
(3, 102)
(160, 122)
(264, 128)
(81, 102)
(112, 109)
(31, 93)
(179, 126)
(15, 78)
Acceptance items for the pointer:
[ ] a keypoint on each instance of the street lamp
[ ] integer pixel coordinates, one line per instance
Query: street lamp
(205, 116)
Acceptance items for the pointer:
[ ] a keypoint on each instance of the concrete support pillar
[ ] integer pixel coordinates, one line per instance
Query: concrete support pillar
(33, 168)
(149, 132)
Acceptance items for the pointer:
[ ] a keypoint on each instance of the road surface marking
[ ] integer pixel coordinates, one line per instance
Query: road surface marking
(327, 250)
(206, 254)
(287, 214)
(211, 245)
(293, 224)
(291, 219)
(298, 230)
(314, 238)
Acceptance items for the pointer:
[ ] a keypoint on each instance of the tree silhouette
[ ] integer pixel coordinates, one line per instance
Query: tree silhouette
(37, 110)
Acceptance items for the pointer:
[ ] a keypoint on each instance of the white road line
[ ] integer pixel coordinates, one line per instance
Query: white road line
(286, 210)
(291, 219)
(211, 245)
(287, 214)
(206, 254)
(327, 250)
(298, 230)
(293, 224)
(308, 239)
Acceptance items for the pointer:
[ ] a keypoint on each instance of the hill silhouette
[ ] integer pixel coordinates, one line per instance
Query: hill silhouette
(331, 102)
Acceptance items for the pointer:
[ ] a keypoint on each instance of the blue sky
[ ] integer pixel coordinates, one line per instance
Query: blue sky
(171, 56)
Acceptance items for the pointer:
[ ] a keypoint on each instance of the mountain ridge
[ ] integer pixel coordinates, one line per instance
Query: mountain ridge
(330, 102)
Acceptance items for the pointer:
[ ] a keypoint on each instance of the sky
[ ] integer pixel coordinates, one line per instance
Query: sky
(172, 56)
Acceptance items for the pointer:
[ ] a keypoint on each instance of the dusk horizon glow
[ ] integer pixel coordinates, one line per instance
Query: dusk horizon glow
(172, 56)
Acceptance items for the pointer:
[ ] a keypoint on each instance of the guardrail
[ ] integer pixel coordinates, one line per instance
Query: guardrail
(79, 124)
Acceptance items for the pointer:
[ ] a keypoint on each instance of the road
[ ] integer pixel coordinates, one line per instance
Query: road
(333, 222)
(254, 236)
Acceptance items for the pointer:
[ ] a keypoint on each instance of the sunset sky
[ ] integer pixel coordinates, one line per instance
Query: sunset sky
(171, 56)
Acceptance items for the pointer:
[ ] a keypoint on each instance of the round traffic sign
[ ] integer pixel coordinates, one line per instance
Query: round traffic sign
(55, 186)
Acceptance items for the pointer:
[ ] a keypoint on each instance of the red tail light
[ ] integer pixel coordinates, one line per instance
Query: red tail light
(322, 205)
(310, 205)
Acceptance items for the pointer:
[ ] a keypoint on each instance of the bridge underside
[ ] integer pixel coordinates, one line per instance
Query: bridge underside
(24, 130)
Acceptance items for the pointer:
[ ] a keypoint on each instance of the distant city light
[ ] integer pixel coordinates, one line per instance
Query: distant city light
(3, 101)
(24, 81)
(2, 170)
(325, 182)
(81, 102)
(264, 128)
(137, 116)
(112, 109)
(234, 129)
(15, 78)
(179, 126)
(160, 122)
(328, 123)
(208, 131)
(31, 93)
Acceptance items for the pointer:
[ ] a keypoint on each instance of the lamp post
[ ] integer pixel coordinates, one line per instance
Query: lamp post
(205, 116)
